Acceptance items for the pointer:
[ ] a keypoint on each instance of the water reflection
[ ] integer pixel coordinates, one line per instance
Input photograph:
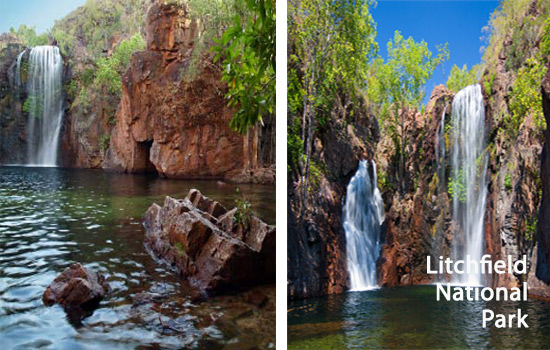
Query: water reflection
(52, 217)
(410, 317)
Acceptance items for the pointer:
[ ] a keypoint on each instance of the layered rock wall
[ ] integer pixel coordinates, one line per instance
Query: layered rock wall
(169, 121)
(316, 238)
(12, 121)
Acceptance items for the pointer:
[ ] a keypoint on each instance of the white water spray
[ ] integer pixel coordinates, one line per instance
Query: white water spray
(363, 215)
(469, 168)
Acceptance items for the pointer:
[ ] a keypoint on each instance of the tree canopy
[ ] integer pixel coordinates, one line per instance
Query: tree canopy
(247, 49)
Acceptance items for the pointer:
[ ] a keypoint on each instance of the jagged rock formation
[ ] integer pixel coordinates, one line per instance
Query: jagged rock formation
(169, 120)
(207, 245)
(316, 242)
(78, 290)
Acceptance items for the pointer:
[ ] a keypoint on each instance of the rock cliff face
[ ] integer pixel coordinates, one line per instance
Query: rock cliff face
(418, 221)
(172, 118)
(166, 121)
(12, 120)
(539, 282)
(316, 241)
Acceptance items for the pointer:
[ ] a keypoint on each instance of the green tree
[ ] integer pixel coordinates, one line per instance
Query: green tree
(28, 36)
(332, 43)
(525, 96)
(110, 69)
(400, 83)
(459, 78)
(248, 51)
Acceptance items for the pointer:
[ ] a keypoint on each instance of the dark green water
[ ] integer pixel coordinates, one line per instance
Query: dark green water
(410, 318)
(51, 218)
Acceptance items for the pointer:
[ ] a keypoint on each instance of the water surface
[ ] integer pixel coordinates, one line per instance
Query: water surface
(52, 217)
(410, 318)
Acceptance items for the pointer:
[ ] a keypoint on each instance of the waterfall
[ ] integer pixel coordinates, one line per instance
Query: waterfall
(44, 104)
(17, 75)
(363, 215)
(468, 183)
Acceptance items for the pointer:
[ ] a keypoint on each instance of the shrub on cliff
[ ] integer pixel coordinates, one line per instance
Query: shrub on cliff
(110, 69)
(28, 36)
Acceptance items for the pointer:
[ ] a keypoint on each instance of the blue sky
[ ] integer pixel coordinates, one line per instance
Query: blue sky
(457, 22)
(34, 13)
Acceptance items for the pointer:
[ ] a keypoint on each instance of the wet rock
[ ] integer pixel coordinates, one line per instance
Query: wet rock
(12, 122)
(201, 240)
(316, 238)
(539, 282)
(78, 290)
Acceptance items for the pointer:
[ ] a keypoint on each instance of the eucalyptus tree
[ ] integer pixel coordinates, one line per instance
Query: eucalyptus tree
(330, 45)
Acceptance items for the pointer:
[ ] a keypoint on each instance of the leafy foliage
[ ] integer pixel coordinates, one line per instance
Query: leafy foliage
(398, 85)
(110, 69)
(213, 17)
(247, 49)
(104, 142)
(459, 78)
(28, 36)
(331, 45)
(508, 181)
(525, 97)
(244, 212)
(457, 186)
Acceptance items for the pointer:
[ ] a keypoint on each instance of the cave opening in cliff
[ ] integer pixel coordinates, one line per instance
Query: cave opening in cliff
(144, 157)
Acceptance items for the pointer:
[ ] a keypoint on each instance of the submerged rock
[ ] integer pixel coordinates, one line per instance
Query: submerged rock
(78, 290)
(202, 240)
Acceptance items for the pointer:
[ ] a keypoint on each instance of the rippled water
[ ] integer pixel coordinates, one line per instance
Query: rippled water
(51, 218)
(410, 318)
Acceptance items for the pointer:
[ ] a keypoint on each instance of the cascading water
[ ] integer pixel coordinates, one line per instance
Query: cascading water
(363, 215)
(468, 184)
(44, 104)
(17, 74)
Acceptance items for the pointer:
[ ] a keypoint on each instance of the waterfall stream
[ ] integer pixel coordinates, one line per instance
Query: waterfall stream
(468, 183)
(363, 215)
(44, 104)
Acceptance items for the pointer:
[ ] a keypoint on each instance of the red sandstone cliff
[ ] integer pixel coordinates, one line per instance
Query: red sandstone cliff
(165, 122)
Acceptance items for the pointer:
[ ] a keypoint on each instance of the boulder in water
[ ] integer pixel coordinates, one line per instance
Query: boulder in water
(202, 240)
(78, 290)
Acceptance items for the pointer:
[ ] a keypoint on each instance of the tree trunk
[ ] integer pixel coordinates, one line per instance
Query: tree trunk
(246, 150)
(255, 140)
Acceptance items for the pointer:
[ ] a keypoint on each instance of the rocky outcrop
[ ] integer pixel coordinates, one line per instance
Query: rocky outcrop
(78, 290)
(214, 249)
(12, 122)
(169, 120)
(539, 282)
(316, 240)
(417, 223)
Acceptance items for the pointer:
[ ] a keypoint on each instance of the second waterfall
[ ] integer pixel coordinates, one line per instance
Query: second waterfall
(467, 184)
(363, 215)
(44, 104)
